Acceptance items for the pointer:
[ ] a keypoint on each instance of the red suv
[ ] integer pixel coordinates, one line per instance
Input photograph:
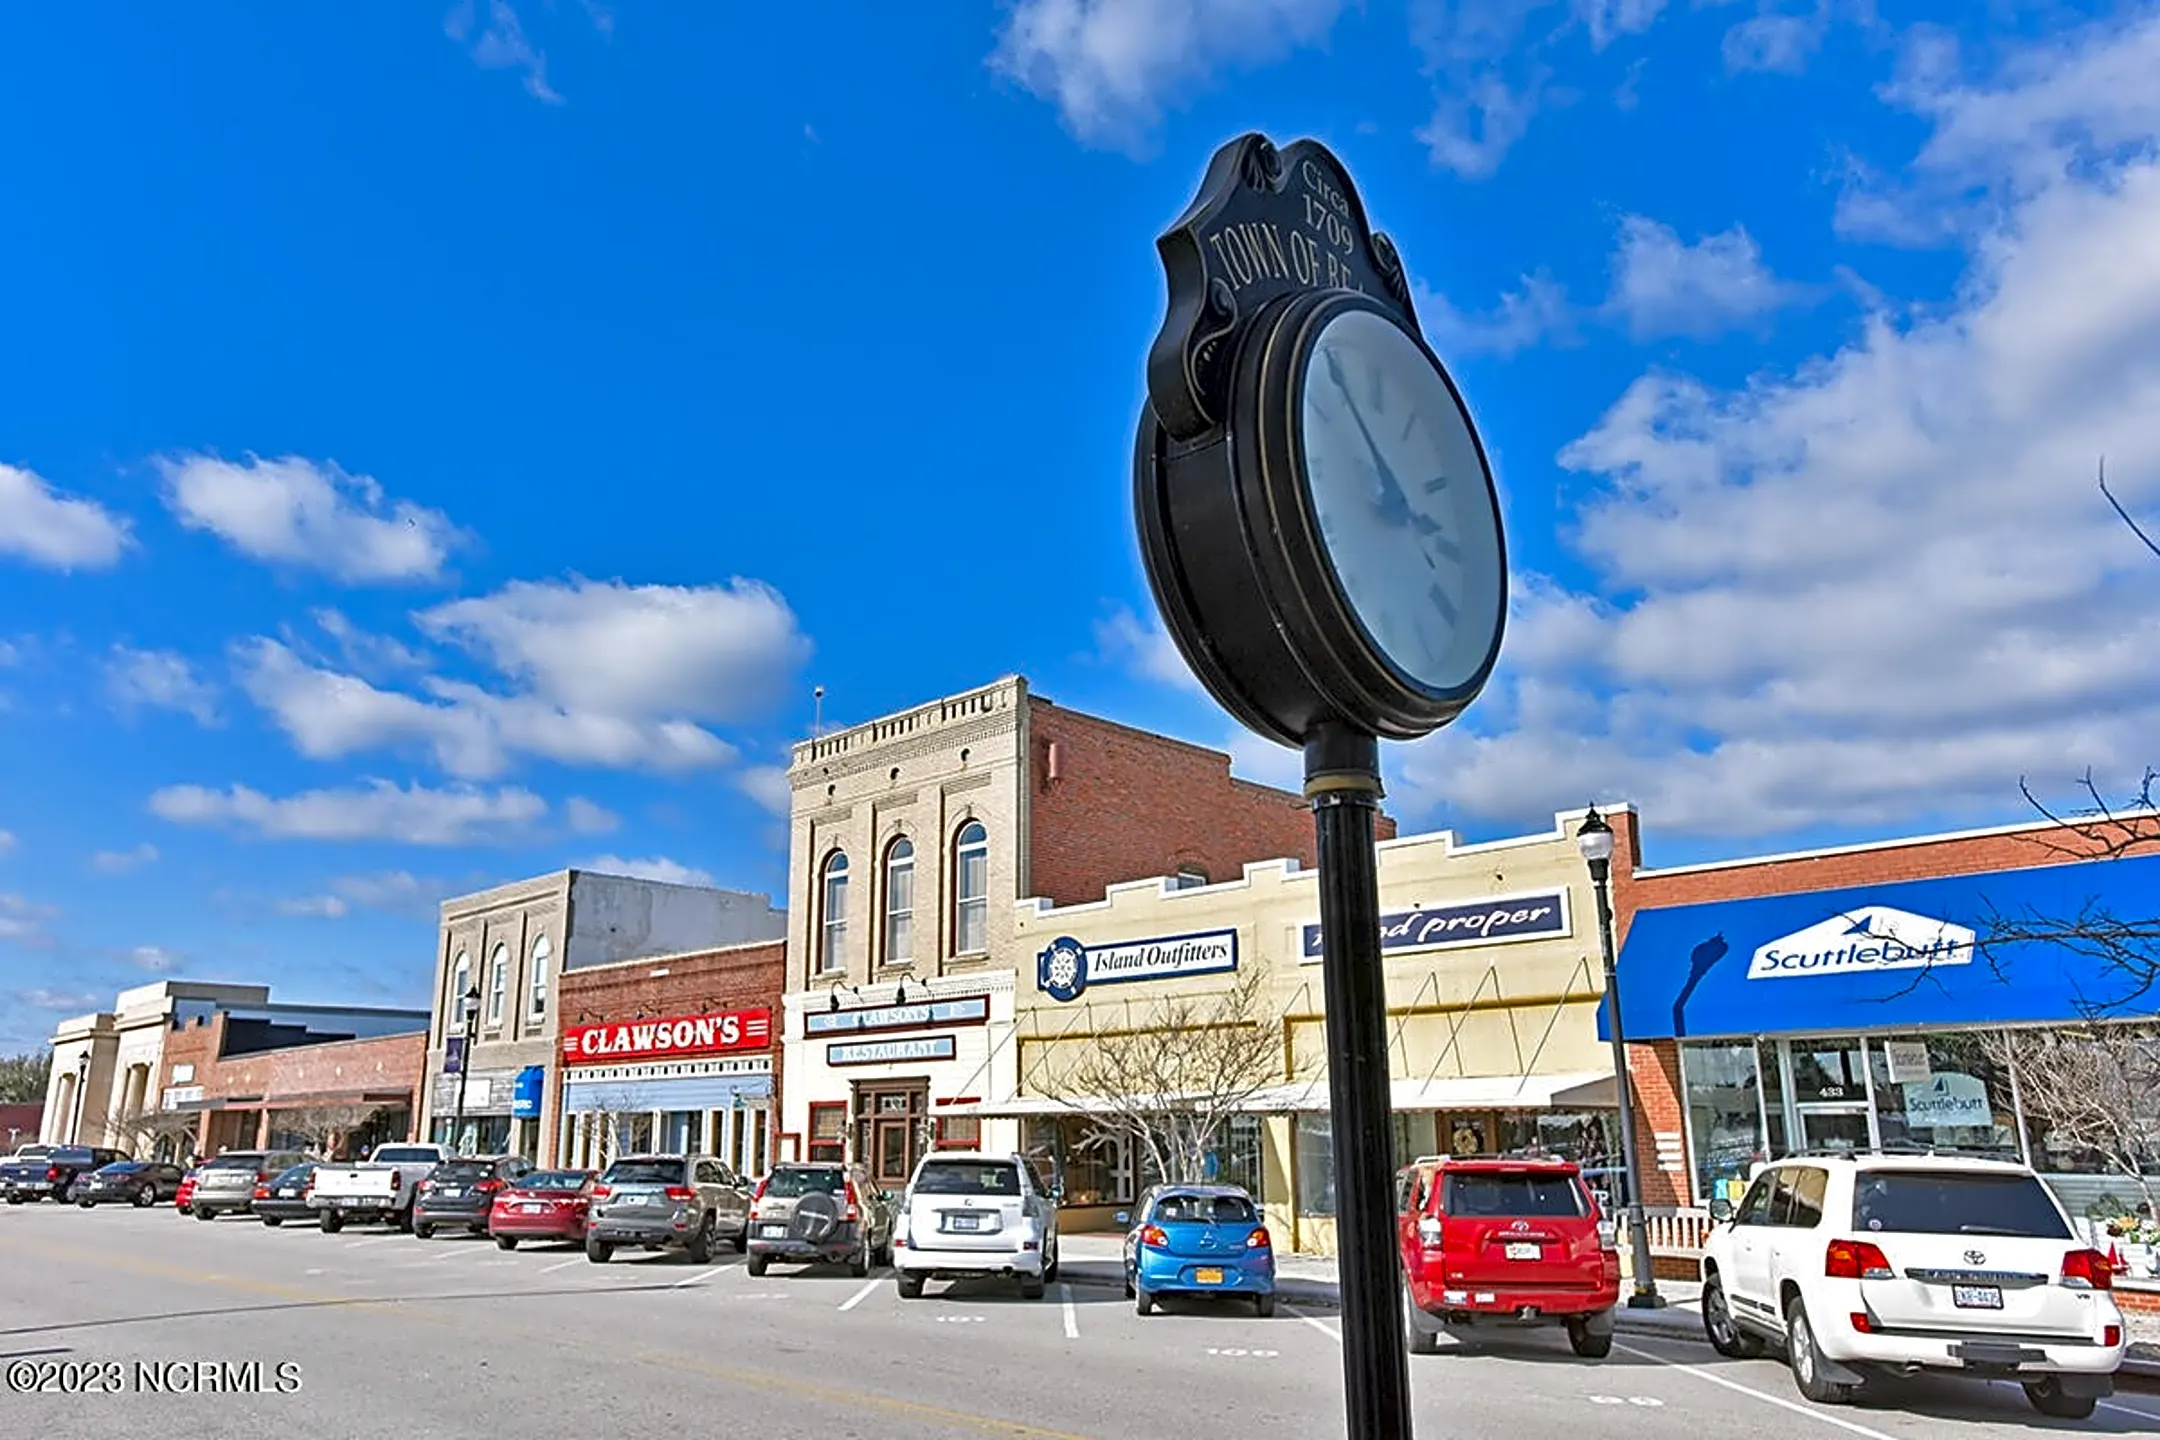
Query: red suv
(1505, 1241)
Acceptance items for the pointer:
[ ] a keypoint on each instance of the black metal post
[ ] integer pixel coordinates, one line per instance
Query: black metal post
(1644, 1292)
(1342, 783)
(457, 1123)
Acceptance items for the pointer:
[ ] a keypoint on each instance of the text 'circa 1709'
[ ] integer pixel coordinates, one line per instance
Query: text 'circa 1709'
(1317, 254)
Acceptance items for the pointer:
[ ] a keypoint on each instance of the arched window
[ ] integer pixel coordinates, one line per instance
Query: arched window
(971, 889)
(460, 982)
(498, 983)
(900, 901)
(536, 998)
(832, 914)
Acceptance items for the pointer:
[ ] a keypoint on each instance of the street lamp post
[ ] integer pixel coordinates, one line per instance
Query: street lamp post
(1595, 840)
(82, 1097)
(470, 1005)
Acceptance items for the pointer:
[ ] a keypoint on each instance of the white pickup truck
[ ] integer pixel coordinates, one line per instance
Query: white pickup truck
(380, 1189)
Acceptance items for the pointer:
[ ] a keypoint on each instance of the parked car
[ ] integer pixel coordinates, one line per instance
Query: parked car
(225, 1184)
(969, 1214)
(183, 1198)
(1866, 1263)
(462, 1192)
(51, 1173)
(1197, 1240)
(1505, 1241)
(658, 1201)
(284, 1196)
(820, 1212)
(139, 1182)
(542, 1205)
(380, 1189)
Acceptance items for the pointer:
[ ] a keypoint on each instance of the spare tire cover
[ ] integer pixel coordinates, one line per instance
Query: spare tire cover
(816, 1217)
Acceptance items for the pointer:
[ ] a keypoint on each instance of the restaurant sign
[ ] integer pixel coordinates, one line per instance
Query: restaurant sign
(679, 1035)
(887, 1052)
(965, 1010)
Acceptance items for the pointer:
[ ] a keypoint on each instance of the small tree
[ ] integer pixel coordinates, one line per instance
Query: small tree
(324, 1126)
(159, 1128)
(2094, 1088)
(1168, 1077)
(23, 1077)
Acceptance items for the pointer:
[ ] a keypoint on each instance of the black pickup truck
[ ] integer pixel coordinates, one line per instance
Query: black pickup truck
(50, 1174)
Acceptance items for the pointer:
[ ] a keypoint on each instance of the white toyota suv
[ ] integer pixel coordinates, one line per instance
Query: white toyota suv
(969, 1214)
(1895, 1263)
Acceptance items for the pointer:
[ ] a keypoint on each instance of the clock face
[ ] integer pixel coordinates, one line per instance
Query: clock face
(1403, 498)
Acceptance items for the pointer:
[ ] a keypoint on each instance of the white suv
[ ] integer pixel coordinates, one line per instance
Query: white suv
(969, 1214)
(1900, 1263)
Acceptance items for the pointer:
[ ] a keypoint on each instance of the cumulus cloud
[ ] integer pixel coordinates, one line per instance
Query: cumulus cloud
(1664, 286)
(23, 921)
(376, 810)
(1775, 42)
(63, 1003)
(296, 513)
(1113, 66)
(159, 680)
(315, 907)
(768, 785)
(58, 532)
(657, 868)
(7, 842)
(1142, 646)
(120, 862)
(155, 959)
(496, 40)
(588, 817)
(1536, 312)
(393, 892)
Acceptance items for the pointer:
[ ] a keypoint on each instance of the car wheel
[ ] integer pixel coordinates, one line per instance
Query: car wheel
(910, 1286)
(1143, 1301)
(757, 1264)
(741, 1239)
(1051, 1262)
(1725, 1337)
(14, 1199)
(506, 1242)
(1423, 1333)
(699, 1246)
(1031, 1287)
(146, 1197)
(1591, 1345)
(332, 1222)
(1264, 1305)
(422, 1230)
(403, 1220)
(1128, 1285)
(1807, 1360)
(859, 1262)
(86, 1203)
(2047, 1397)
(204, 1212)
(599, 1251)
(273, 1221)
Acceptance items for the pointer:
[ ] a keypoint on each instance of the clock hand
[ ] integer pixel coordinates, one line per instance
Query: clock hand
(1391, 503)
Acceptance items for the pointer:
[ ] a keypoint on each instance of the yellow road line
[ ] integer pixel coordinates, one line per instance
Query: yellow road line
(584, 1344)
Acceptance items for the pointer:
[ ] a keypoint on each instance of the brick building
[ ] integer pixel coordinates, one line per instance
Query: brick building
(672, 1052)
(333, 1097)
(1860, 995)
(911, 839)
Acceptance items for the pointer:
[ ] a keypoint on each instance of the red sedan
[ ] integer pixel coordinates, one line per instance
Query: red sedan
(544, 1205)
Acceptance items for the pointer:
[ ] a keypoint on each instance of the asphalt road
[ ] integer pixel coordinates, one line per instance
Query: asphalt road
(367, 1334)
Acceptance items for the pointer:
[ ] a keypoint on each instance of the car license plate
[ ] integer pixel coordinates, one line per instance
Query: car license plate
(1208, 1276)
(963, 1222)
(773, 1232)
(451, 1192)
(1976, 1297)
(1525, 1250)
(532, 1207)
(287, 1194)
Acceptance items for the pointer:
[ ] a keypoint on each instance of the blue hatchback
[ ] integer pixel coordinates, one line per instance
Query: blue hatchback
(1197, 1240)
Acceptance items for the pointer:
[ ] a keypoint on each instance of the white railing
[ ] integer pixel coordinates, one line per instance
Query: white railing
(1676, 1231)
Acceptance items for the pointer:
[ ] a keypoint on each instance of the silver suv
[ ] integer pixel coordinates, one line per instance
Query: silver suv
(658, 1201)
(226, 1184)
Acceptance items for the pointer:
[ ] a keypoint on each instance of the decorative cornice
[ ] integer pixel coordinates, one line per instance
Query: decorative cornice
(899, 751)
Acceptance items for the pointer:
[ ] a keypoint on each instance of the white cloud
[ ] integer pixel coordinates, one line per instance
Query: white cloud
(65, 1003)
(499, 43)
(1662, 286)
(768, 785)
(294, 512)
(1608, 20)
(377, 810)
(1264, 762)
(23, 921)
(159, 680)
(588, 817)
(315, 907)
(59, 532)
(394, 892)
(657, 868)
(1112, 66)
(1142, 646)
(365, 652)
(1476, 121)
(708, 652)
(1883, 585)
(120, 862)
(1781, 44)
(153, 958)
(7, 842)
(1528, 316)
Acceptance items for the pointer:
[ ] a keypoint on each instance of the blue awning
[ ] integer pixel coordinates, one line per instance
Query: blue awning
(708, 1092)
(1907, 954)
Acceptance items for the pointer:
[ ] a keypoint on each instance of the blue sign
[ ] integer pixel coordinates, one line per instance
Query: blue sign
(1068, 967)
(1468, 922)
(525, 1092)
(1915, 952)
(453, 1057)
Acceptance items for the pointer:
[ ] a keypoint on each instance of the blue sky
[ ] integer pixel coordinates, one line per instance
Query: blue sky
(444, 443)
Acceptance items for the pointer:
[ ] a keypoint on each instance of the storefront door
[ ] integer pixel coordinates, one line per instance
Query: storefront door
(890, 1135)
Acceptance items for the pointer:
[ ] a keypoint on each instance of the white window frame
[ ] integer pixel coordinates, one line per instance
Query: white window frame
(536, 993)
(498, 985)
(460, 981)
(832, 928)
(899, 860)
(965, 904)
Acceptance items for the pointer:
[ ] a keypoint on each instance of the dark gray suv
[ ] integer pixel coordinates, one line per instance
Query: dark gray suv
(657, 1201)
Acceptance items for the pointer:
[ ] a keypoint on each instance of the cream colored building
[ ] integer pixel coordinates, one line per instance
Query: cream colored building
(1494, 984)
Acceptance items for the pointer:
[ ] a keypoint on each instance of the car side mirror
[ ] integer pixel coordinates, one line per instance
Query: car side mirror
(1720, 1211)
(1057, 1194)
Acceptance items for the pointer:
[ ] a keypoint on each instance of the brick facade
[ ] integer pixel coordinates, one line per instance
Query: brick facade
(243, 1093)
(741, 977)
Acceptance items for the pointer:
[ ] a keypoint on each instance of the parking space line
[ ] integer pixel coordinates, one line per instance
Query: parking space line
(1072, 1316)
(1335, 1335)
(560, 1265)
(1849, 1426)
(2130, 1410)
(860, 1295)
(693, 1279)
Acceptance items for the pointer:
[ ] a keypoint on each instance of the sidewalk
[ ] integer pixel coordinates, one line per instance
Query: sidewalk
(1309, 1280)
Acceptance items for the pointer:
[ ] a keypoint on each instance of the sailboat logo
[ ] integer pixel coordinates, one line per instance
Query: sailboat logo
(1873, 937)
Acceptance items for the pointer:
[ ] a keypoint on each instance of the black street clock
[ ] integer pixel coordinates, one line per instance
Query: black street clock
(1316, 514)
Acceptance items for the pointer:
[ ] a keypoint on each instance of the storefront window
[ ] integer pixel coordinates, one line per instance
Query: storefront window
(1725, 1114)
(1315, 1164)
(828, 1132)
(1091, 1163)
(1958, 1099)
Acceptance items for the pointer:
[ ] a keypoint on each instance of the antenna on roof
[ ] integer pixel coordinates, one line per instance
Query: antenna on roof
(817, 714)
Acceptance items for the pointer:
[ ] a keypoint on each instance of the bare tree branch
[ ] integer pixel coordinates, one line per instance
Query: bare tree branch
(2093, 1089)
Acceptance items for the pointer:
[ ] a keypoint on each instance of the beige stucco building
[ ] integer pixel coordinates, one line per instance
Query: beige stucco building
(1494, 984)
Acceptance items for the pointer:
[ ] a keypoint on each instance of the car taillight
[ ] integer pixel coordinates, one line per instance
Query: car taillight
(854, 1204)
(1258, 1240)
(1856, 1260)
(262, 1177)
(1861, 1323)
(52, 1174)
(679, 1192)
(262, 1192)
(397, 1180)
(1153, 1235)
(2087, 1270)
(309, 1188)
(759, 1194)
(489, 1187)
(1431, 1233)
(2111, 1336)
(601, 1192)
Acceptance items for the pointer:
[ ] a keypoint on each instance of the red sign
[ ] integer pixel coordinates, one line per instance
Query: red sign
(667, 1039)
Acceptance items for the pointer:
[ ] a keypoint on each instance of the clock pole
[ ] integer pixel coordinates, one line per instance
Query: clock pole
(1342, 784)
